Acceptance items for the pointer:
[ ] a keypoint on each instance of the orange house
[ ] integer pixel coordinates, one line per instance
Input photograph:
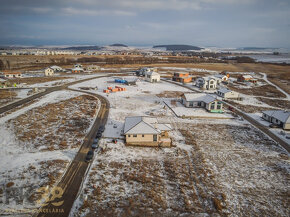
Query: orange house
(182, 77)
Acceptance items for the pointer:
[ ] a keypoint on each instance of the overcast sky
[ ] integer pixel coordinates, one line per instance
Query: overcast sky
(223, 23)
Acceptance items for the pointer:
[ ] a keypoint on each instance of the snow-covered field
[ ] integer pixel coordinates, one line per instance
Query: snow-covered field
(216, 166)
(37, 144)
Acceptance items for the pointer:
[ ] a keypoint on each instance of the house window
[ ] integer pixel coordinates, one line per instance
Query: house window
(134, 135)
(142, 135)
(212, 106)
(218, 107)
(199, 103)
(154, 138)
(211, 82)
(129, 135)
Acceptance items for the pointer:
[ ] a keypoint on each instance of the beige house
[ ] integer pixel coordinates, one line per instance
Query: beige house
(152, 76)
(48, 72)
(226, 93)
(93, 68)
(146, 131)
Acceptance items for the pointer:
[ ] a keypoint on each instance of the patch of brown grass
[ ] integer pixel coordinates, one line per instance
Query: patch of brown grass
(170, 94)
(265, 90)
(35, 80)
(7, 94)
(283, 104)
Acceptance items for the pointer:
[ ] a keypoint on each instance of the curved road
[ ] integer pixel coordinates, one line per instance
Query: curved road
(76, 172)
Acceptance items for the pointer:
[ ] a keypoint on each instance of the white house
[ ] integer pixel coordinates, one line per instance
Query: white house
(202, 100)
(152, 76)
(143, 71)
(77, 70)
(48, 72)
(226, 93)
(206, 83)
(222, 77)
(278, 117)
(56, 68)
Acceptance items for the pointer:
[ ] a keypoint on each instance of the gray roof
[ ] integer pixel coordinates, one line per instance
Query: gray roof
(283, 116)
(144, 125)
(224, 90)
(152, 73)
(199, 97)
(78, 69)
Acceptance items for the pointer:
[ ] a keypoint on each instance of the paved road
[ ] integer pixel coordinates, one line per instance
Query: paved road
(49, 90)
(74, 175)
(255, 123)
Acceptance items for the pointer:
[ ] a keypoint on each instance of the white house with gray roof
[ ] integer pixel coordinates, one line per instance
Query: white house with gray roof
(278, 117)
(146, 131)
(152, 76)
(202, 100)
(226, 93)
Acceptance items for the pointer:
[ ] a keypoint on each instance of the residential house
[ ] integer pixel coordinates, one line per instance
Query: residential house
(77, 70)
(246, 78)
(49, 72)
(278, 117)
(78, 65)
(206, 83)
(202, 100)
(182, 77)
(152, 77)
(226, 93)
(56, 68)
(12, 74)
(93, 68)
(222, 78)
(145, 70)
(146, 131)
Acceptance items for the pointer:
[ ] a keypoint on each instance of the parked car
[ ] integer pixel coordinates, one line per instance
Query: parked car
(99, 135)
(89, 156)
(102, 128)
(95, 144)
(274, 126)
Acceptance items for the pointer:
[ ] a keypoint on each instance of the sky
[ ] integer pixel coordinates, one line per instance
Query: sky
(221, 23)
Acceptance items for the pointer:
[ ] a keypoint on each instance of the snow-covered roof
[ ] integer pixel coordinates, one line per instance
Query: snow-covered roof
(55, 67)
(2, 80)
(152, 73)
(248, 76)
(144, 125)
(78, 69)
(224, 90)
(283, 116)
(202, 97)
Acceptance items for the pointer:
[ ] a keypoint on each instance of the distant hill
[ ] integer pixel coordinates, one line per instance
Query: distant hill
(118, 45)
(176, 47)
(83, 48)
(255, 48)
